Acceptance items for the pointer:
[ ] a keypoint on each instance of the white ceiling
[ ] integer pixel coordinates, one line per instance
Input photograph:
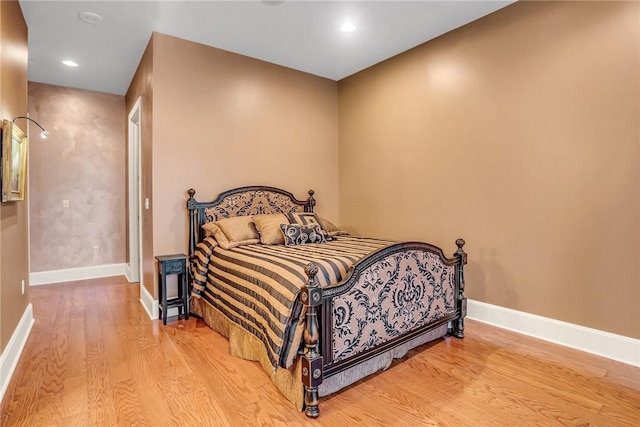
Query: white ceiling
(304, 35)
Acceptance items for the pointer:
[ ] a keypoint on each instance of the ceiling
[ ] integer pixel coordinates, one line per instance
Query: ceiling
(303, 35)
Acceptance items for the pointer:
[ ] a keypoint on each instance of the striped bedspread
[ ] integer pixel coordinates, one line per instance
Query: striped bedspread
(257, 286)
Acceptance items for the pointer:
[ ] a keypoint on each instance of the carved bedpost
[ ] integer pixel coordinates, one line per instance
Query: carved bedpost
(312, 362)
(193, 226)
(311, 202)
(458, 329)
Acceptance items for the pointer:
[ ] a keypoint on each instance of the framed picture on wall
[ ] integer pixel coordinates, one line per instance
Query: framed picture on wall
(14, 162)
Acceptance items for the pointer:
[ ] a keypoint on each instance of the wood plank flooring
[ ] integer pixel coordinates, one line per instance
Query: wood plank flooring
(94, 358)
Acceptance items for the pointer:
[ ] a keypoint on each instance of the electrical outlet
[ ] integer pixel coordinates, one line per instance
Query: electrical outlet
(23, 287)
(96, 249)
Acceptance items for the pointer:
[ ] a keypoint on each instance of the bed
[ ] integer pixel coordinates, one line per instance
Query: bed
(318, 309)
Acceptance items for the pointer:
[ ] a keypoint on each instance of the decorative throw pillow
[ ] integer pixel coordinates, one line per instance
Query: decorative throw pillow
(304, 218)
(268, 226)
(307, 218)
(296, 234)
(232, 232)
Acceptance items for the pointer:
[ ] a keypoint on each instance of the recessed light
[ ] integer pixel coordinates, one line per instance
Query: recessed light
(90, 18)
(348, 27)
(70, 63)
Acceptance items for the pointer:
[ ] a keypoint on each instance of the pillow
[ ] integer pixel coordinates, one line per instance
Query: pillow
(296, 234)
(232, 232)
(304, 218)
(330, 228)
(268, 226)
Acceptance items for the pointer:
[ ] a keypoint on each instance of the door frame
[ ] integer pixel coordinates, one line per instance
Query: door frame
(135, 190)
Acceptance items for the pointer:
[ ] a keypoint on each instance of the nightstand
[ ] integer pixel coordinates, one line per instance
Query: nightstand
(173, 264)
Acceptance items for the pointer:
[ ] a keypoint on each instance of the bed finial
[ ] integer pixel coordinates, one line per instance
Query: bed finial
(311, 201)
(311, 270)
(461, 300)
(192, 205)
(191, 202)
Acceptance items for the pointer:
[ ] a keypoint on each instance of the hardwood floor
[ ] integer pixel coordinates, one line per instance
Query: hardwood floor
(95, 359)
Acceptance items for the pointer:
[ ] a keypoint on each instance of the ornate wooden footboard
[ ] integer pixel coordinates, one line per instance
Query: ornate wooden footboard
(390, 298)
(394, 299)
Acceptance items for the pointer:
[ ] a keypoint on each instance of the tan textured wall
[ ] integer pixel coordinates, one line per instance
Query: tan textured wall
(222, 120)
(14, 245)
(2, 333)
(520, 133)
(142, 87)
(82, 161)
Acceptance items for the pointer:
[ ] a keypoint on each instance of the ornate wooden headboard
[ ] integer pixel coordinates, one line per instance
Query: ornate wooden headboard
(253, 200)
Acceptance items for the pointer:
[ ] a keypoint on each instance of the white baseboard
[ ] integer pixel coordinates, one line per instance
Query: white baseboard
(72, 274)
(151, 305)
(594, 341)
(127, 272)
(11, 354)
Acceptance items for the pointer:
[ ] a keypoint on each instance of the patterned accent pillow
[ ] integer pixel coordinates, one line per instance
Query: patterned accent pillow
(296, 234)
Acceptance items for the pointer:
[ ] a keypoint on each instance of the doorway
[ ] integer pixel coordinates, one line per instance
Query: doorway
(134, 267)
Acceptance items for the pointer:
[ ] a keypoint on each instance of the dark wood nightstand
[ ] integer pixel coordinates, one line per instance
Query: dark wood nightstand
(173, 264)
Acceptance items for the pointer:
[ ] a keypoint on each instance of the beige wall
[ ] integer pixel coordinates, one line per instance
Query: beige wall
(520, 133)
(141, 87)
(82, 161)
(14, 245)
(222, 120)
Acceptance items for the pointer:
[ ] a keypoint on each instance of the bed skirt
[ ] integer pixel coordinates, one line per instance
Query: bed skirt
(289, 381)
(380, 362)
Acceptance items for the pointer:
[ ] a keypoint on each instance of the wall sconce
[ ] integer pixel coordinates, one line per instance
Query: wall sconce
(44, 134)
